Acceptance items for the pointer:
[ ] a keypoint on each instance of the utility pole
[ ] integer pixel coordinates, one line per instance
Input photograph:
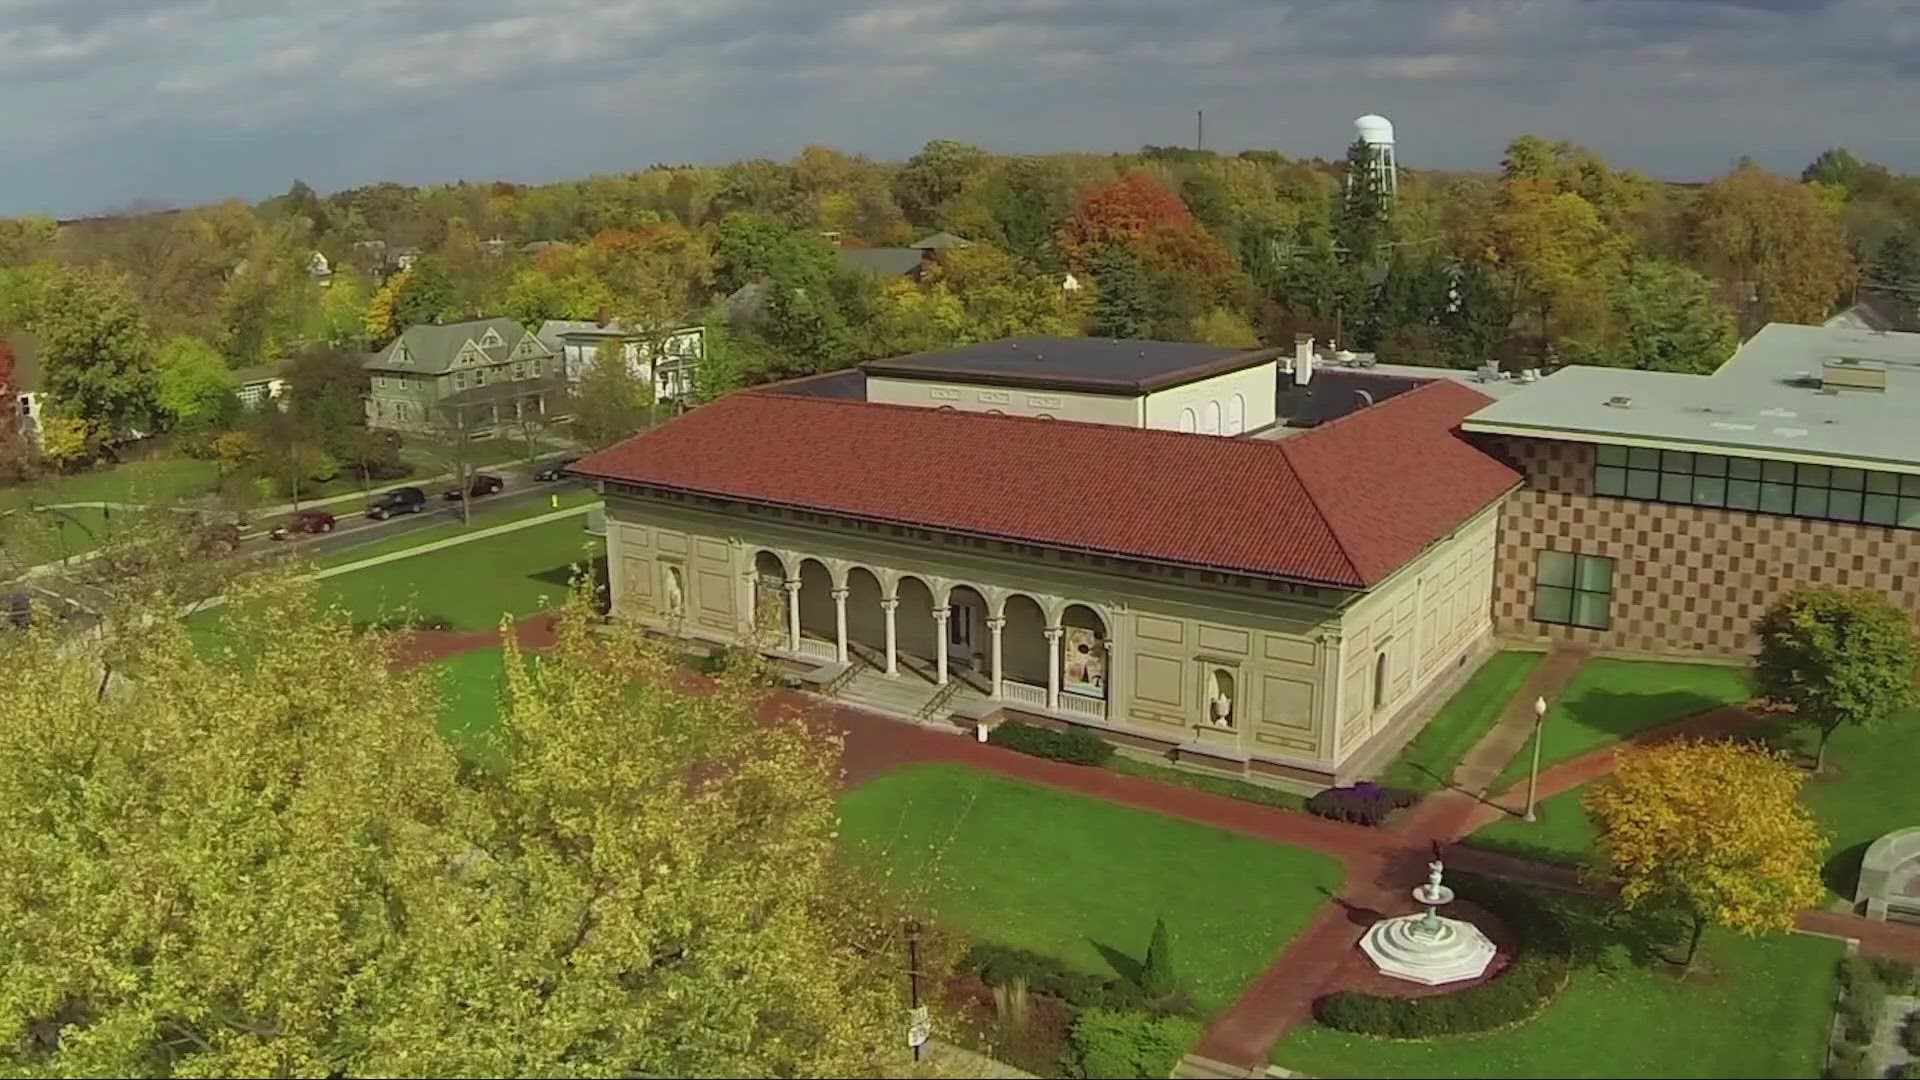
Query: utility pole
(1200, 129)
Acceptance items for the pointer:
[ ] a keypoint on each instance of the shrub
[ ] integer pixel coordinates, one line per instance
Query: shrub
(1001, 965)
(1848, 1062)
(1855, 970)
(1075, 745)
(393, 623)
(1910, 1032)
(1156, 972)
(1212, 785)
(1898, 976)
(1861, 1009)
(1365, 803)
(1542, 963)
(1910, 1071)
(1124, 1044)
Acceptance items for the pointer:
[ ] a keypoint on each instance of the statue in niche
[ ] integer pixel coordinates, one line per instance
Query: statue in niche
(674, 598)
(1221, 707)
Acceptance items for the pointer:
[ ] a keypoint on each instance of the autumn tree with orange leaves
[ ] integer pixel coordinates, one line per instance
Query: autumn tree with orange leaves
(1713, 831)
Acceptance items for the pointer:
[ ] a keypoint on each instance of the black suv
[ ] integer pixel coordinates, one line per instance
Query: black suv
(481, 484)
(405, 500)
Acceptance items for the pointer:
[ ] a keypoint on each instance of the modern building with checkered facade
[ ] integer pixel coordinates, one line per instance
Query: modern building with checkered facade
(1662, 513)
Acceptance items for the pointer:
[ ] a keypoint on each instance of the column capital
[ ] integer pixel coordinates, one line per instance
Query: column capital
(997, 623)
(792, 585)
(941, 614)
(889, 603)
(1054, 633)
(840, 594)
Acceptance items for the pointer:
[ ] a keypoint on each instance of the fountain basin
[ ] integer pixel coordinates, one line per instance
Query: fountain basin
(1428, 949)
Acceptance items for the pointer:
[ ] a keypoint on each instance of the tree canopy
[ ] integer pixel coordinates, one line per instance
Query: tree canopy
(1837, 657)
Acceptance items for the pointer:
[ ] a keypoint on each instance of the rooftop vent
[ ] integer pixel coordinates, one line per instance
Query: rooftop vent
(1530, 375)
(1487, 372)
(1852, 373)
(1620, 401)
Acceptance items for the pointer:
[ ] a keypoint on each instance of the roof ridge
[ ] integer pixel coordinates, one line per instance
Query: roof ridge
(1319, 511)
(1425, 387)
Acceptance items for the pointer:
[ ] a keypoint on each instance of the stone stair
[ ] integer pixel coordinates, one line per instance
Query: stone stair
(1195, 1067)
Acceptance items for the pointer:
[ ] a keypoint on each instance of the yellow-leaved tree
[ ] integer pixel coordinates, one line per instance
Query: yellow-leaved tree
(1712, 830)
(256, 857)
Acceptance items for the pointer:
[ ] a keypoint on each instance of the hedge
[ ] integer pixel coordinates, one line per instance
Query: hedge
(1542, 964)
(998, 965)
(1075, 745)
(1849, 1062)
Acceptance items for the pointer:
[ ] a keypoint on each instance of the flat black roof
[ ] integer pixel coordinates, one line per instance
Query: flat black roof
(1089, 365)
(849, 384)
(1333, 393)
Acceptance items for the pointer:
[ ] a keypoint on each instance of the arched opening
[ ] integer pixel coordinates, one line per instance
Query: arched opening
(1379, 680)
(1188, 422)
(769, 598)
(673, 590)
(1023, 651)
(1210, 425)
(1236, 414)
(1084, 646)
(866, 623)
(1220, 698)
(817, 623)
(967, 645)
(918, 636)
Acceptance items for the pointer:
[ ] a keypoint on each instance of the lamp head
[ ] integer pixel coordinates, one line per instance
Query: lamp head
(1540, 708)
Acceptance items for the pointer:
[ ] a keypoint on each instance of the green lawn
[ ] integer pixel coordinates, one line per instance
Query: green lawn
(483, 516)
(161, 479)
(471, 685)
(1612, 700)
(1428, 761)
(1563, 833)
(1763, 1010)
(1083, 880)
(1867, 790)
(474, 584)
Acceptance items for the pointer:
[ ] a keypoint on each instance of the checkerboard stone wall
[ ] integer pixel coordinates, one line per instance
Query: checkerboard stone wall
(1687, 580)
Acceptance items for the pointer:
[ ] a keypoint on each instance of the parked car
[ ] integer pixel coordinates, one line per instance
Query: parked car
(481, 484)
(402, 500)
(305, 522)
(555, 470)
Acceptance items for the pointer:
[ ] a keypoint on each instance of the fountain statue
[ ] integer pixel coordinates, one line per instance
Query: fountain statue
(1426, 947)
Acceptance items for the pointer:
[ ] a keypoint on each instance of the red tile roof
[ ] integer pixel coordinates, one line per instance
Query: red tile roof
(1345, 504)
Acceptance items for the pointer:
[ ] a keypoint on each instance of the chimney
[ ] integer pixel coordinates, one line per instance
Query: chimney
(1302, 359)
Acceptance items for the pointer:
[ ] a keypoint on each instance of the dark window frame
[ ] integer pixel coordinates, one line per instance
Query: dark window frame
(1759, 486)
(1567, 599)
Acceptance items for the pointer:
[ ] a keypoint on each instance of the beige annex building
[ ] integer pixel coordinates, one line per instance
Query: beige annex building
(1269, 605)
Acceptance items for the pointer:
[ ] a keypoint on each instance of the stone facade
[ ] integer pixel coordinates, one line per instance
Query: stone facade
(1316, 677)
(1687, 580)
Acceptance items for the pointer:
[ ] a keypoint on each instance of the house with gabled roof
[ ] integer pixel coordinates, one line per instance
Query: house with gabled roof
(1212, 555)
(480, 377)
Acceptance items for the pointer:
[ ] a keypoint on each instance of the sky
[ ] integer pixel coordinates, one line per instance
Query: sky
(105, 103)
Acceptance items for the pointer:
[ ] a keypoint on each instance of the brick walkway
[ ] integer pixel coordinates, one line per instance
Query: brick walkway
(1381, 865)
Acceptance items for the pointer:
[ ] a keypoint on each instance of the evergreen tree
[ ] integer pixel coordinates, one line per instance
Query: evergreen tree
(1360, 223)
(1156, 973)
(1122, 307)
(1897, 263)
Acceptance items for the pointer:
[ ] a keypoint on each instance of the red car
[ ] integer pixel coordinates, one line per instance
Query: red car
(307, 522)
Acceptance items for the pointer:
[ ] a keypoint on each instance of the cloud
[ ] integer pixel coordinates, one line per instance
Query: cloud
(192, 99)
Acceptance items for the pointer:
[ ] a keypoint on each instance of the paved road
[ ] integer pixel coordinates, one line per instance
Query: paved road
(352, 530)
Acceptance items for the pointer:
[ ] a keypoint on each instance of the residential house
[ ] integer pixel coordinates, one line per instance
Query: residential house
(1129, 537)
(404, 258)
(479, 377)
(21, 392)
(319, 269)
(910, 261)
(666, 360)
(255, 386)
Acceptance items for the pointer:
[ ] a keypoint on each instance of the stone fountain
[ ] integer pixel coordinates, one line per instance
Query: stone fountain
(1427, 948)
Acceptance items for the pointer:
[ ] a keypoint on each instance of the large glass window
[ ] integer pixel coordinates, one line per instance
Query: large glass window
(1773, 487)
(1573, 590)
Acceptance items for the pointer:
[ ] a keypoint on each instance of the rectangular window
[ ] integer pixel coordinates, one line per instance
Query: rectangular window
(1573, 590)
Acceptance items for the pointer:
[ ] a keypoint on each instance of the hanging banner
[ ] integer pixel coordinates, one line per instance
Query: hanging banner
(1084, 668)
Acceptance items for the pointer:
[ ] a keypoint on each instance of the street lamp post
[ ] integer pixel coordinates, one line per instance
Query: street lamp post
(1533, 776)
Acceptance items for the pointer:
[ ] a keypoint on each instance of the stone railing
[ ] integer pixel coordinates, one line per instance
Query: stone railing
(1891, 863)
(1021, 694)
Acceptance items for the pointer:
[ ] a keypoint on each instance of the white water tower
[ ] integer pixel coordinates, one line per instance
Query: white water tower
(1377, 133)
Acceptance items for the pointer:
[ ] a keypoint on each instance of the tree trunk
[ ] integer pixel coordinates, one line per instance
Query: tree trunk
(1820, 749)
(1693, 943)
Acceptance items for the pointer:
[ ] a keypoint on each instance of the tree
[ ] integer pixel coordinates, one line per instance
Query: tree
(1835, 165)
(1157, 976)
(1713, 831)
(95, 353)
(1556, 257)
(383, 310)
(293, 456)
(610, 402)
(641, 883)
(1837, 657)
(1666, 319)
(427, 294)
(1004, 298)
(341, 316)
(1122, 213)
(537, 295)
(1360, 221)
(1776, 238)
(933, 178)
(1223, 326)
(1121, 305)
(194, 387)
(1896, 263)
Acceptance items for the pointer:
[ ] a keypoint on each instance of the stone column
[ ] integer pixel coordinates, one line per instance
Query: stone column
(840, 624)
(749, 605)
(1054, 634)
(994, 626)
(940, 616)
(888, 606)
(793, 614)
